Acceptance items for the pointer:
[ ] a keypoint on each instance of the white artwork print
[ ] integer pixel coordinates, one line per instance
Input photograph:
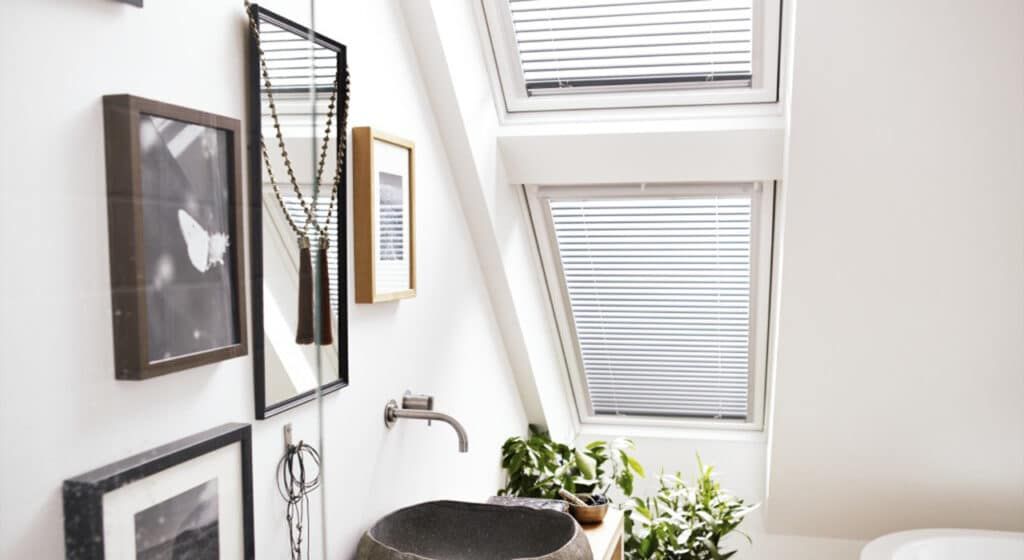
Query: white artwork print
(392, 235)
(204, 249)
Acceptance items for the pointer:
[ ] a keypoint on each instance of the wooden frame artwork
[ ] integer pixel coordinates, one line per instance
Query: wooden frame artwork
(191, 498)
(384, 216)
(174, 212)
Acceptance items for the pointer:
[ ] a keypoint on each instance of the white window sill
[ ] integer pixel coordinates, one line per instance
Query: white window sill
(741, 433)
(699, 119)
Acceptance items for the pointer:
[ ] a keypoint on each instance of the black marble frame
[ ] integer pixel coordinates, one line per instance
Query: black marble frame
(83, 495)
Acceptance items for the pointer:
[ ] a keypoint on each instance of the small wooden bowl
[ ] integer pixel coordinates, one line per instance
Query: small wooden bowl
(588, 515)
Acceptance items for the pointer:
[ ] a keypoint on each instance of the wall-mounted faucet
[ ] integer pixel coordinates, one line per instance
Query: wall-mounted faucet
(421, 407)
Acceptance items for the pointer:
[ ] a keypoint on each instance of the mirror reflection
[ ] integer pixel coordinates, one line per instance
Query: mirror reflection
(299, 98)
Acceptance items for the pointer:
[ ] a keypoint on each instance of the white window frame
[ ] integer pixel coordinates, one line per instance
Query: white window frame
(762, 213)
(764, 88)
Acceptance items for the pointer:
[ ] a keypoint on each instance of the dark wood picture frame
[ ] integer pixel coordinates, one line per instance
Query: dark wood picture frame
(254, 80)
(121, 115)
(83, 494)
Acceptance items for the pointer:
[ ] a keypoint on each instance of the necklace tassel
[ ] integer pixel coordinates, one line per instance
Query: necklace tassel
(304, 329)
(305, 332)
(326, 336)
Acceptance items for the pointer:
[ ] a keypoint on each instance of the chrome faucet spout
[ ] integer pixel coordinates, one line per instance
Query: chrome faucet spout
(392, 413)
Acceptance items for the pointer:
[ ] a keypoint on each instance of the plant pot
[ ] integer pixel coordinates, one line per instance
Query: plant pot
(588, 515)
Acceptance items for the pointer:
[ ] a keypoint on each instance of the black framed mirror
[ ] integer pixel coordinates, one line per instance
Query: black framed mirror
(297, 200)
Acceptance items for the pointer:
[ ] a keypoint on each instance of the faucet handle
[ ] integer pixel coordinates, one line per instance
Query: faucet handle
(417, 402)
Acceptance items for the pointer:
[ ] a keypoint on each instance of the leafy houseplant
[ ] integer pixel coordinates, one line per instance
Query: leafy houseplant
(538, 467)
(679, 522)
(683, 522)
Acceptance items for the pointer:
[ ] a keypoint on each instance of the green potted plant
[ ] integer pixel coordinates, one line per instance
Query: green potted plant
(683, 522)
(538, 467)
(679, 522)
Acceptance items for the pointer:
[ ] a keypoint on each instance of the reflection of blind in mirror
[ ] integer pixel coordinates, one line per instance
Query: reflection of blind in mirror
(288, 63)
(287, 56)
(290, 67)
(291, 202)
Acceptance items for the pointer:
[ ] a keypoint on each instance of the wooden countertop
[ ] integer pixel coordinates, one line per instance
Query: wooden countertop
(606, 538)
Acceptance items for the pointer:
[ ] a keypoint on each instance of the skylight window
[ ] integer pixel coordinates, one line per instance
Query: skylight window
(572, 54)
(660, 294)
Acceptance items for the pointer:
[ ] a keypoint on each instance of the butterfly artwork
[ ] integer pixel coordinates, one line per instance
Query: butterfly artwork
(174, 204)
(205, 249)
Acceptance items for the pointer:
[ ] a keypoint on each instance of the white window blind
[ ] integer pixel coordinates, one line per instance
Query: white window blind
(602, 45)
(660, 292)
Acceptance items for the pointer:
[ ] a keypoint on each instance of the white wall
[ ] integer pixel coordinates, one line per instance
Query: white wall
(454, 57)
(734, 149)
(901, 366)
(62, 412)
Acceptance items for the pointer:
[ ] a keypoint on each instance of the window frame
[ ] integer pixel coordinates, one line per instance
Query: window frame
(764, 88)
(762, 241)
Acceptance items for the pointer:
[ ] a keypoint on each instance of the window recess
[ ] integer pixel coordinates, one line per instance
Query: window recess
(575, 54)
(660, 294)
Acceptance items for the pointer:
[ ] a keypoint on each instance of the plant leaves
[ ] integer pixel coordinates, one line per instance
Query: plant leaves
(586, 464)
(634, 464)
(679, 521)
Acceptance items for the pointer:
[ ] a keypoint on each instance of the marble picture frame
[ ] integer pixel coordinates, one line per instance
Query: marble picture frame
(188, 499)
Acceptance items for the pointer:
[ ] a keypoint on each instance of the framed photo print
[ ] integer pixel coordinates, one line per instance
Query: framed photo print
(384, 212)
(174, 208)
(187, 499)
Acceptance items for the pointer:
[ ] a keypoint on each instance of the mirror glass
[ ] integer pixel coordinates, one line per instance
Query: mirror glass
(298, 105)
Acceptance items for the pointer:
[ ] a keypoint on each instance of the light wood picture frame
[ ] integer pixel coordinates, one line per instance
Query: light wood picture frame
(384, 216)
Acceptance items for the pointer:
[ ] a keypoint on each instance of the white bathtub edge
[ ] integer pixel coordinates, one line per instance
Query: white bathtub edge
(886, 546)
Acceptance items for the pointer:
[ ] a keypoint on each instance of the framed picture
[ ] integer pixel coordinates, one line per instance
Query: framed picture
(188, 499)
(384, 213)
(174, 211)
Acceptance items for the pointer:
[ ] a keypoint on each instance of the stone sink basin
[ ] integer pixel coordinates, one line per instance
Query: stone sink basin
(465, 531)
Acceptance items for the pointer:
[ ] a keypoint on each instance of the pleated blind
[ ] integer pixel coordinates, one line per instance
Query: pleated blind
(660, 295)
(641, 44)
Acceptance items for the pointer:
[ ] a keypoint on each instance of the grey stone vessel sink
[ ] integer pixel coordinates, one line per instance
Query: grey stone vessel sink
(464, 531)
